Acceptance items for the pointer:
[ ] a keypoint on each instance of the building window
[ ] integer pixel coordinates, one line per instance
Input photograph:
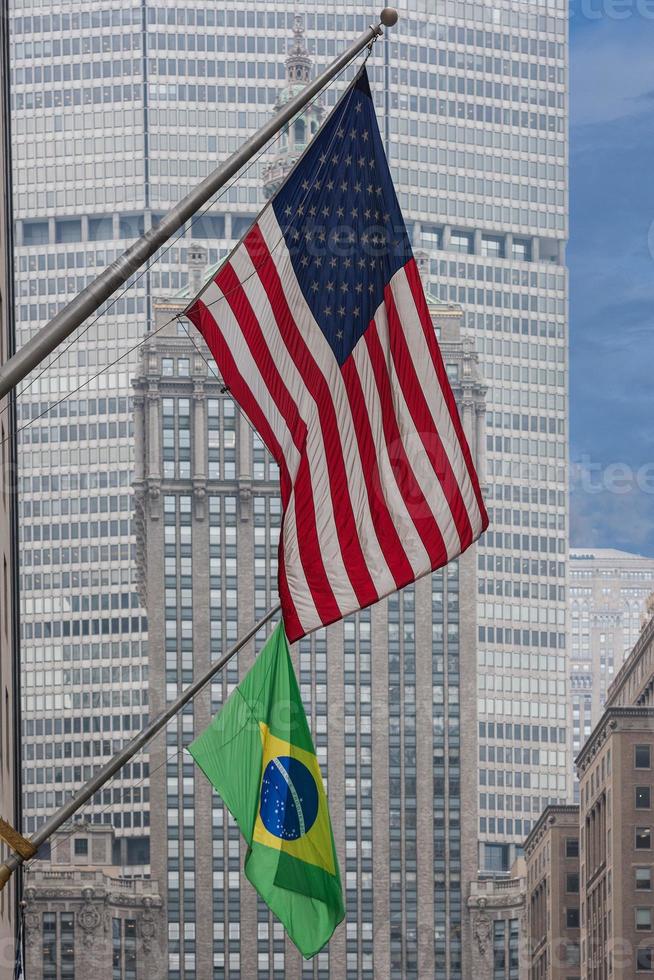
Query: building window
(572, 847)
(642, 757)
(643, 838)
(49, 946)
(572, 954)
(572, 883)
(521, 250)
(167, 367)
(81, 847)
(572, 918)
(642, 797)
(643, 879)
(492, 246)
(460, 241)
(644, 919)
(499, 952)
(645, 958)
(67, 945)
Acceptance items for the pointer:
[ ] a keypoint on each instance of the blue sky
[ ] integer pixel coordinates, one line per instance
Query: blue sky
(611, 260)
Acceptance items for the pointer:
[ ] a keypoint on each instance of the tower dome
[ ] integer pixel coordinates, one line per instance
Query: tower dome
(296, 135)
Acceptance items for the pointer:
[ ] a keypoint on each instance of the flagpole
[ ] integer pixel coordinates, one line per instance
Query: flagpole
(96, 782)
(97, 292)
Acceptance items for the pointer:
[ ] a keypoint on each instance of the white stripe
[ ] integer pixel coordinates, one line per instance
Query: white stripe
(323, 355)
(413, 446)
(423, 365)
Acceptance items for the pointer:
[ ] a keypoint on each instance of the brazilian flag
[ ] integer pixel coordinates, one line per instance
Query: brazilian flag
(258, 754)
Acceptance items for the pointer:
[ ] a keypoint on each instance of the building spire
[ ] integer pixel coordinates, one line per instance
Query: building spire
(293, 140)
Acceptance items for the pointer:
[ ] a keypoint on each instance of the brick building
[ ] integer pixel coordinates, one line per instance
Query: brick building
(552, 856)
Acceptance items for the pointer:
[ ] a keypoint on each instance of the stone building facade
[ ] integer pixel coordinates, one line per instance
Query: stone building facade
(552, 856)
(498, 925)
(390, 693)
(84, 918)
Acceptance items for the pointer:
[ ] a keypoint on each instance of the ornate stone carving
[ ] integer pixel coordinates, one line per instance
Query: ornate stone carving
(147, 925)
(482, 931)
(89, 918)
(32, 927)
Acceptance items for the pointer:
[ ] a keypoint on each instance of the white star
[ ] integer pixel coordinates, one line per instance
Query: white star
(357, 187)
(321, 235)
(344, 287)
(328, 310)
(364, 136)
(358, 287)
(356, 311)
(335, 159)
(348, 160)
(340, 212)
(367, 213)
(370, 188)
(330, 287)
(325, 212)
(371, 288)
(314, 286)
(362, 161)
(344, 186)
(341, 310)
(371, 162)
(358, 107)
(295, 234)
(362, 263)
(348, 263)
(323, 158)
(365, 238)
(333, 262)
(339, 335)
(318, 259)
(354, 213)
(340, 133)
(305, 185)
(300, 210)
(304, 261)
(312, 211)
(330, 185)
(288, 211)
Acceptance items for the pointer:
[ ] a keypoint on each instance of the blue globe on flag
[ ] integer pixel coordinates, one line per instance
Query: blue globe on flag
(289, 798)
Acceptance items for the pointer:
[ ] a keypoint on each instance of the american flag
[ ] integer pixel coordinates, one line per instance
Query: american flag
(320, 329)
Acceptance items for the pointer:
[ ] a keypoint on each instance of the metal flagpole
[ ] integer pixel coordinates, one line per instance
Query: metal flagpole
(31, 845)
(115, 275)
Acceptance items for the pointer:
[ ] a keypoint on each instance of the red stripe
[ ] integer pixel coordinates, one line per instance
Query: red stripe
(346, 528)
(389, 539)
(201, 316)
(415, 284)
(426, 426)
(415, 501)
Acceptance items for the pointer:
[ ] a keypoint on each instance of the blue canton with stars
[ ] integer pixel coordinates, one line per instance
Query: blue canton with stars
(342, 222)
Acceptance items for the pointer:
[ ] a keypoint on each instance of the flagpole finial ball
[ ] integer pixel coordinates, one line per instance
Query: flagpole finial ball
(389, 16)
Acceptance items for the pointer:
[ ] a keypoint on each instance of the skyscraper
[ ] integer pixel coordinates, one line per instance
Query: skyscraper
(117, 112)
(609, 590)
(9, 757)
(391, 692)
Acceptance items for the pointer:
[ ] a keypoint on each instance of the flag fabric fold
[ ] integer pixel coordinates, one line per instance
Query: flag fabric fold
(258, 754)
(320, 329)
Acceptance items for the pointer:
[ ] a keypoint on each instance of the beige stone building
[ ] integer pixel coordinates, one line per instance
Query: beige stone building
(9, 803)
(552, 856)
(391, 694)
(498, 925)
(85, 919)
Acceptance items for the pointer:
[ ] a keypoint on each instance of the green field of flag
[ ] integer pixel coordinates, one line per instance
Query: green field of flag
(258, 754)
